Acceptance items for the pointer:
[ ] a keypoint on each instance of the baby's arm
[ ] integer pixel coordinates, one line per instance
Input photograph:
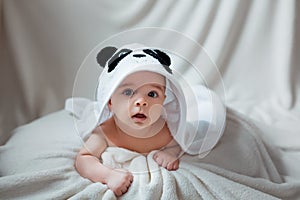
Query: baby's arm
(88, 165)
(168, 157)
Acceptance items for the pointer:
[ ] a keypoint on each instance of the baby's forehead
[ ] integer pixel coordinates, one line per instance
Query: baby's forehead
(144, 78)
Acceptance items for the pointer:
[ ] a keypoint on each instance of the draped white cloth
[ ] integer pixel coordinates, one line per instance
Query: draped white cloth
(254, 44)
(43, 152)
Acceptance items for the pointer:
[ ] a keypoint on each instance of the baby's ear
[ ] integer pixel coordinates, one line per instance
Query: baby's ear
(109, 105)
(105, 54)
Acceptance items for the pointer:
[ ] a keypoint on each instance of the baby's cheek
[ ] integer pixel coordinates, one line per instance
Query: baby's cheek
(155, 112)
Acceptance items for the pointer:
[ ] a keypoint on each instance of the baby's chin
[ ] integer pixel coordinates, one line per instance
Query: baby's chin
(141, 124)
(152, 127)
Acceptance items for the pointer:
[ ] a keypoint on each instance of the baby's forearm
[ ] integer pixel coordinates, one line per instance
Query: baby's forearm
(90, 167)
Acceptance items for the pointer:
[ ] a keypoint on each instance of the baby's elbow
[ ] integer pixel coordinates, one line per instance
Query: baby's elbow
(79, 164)
(83, 164)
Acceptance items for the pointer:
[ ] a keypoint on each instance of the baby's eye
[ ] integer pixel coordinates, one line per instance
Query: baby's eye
(153, 94)
(128, 92)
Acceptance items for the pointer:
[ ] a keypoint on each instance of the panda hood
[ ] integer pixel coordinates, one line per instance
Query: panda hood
(195, 133)
(134, 58)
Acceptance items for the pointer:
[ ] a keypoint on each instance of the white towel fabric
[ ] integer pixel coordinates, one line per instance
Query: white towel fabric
(195, 115)
(38, 163)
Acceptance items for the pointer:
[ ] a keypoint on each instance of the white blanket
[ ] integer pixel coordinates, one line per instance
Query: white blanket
(38, 163)
(254, 43)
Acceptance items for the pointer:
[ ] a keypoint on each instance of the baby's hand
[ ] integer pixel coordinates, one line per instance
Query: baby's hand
(166, 160)
(119, 181)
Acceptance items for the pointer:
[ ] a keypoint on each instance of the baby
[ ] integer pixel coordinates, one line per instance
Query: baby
(136, 122)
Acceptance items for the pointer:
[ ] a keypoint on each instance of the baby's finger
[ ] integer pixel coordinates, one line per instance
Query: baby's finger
(118, 193)
(155, 156)
(170, 166)
(124, 190)
(175, 165)
(131, 178)
(165, 164)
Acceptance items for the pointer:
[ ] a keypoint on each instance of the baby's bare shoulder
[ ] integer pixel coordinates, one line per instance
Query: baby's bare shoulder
(95, 144)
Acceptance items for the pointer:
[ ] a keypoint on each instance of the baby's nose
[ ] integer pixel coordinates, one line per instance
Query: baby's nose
(141, 101)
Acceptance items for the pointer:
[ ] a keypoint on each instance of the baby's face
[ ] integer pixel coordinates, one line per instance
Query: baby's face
(138, 99)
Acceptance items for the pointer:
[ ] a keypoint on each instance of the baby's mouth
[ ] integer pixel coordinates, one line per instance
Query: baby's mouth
(139, 117)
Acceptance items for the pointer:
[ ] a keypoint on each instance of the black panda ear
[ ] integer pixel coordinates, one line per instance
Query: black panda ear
(105, 54)
(162, 57)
